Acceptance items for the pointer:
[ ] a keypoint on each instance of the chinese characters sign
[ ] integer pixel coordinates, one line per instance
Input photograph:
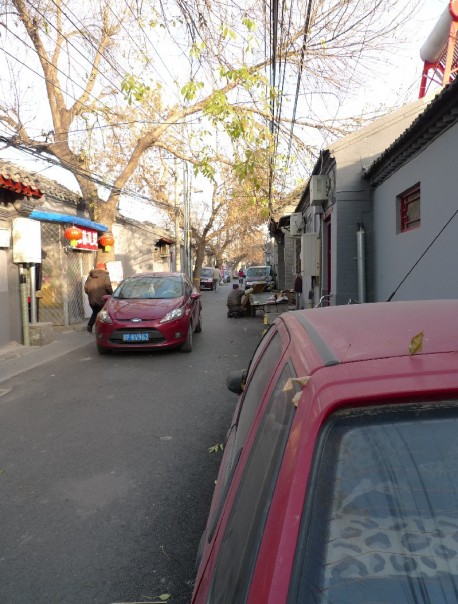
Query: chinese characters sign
(88, 241)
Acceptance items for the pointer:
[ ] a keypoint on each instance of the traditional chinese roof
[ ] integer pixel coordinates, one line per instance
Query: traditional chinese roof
(19, 180)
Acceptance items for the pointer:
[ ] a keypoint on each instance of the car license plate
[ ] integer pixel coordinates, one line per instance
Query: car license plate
(135, 337)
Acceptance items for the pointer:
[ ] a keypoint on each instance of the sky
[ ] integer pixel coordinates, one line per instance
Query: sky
(396, 82)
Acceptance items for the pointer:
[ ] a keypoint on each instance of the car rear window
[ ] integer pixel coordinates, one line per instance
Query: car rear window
(238, 552)
(206, 272)
(257, 273)
(382, 525)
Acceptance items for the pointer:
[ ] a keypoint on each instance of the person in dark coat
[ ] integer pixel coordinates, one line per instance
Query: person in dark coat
(97, 284)
(298, 290)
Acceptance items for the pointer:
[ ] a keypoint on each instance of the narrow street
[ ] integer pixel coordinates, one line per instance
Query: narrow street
(105, 474)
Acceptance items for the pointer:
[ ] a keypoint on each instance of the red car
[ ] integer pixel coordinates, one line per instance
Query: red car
(339, 478)
(150, 311)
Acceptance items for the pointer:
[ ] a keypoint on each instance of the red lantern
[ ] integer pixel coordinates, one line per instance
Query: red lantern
(73, 234)
(106, 241)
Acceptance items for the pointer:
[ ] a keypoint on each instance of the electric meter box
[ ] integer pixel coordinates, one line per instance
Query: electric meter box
(318, 190)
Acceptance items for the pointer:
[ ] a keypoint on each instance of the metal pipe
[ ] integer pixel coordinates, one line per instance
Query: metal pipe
(33, 293)
(361, 261)
(24, 306)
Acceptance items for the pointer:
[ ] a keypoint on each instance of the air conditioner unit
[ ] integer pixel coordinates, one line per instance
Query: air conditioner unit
(318, 190)
(296, 224)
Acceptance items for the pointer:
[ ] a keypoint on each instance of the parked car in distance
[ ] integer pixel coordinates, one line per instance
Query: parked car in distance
(150, 311)
(259, 274)
(226, 277)
(206, 277)
(338, 482)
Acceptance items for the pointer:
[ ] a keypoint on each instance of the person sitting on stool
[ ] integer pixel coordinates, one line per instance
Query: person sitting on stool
(234, 302)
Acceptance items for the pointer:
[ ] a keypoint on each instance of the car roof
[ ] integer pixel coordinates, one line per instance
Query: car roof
(360, 332)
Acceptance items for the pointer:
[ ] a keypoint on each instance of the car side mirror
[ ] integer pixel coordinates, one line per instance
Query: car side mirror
(106, 297)
(235, 381)
(195, 295)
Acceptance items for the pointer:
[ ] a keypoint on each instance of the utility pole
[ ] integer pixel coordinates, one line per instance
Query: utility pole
(178, 266)
(187, 222)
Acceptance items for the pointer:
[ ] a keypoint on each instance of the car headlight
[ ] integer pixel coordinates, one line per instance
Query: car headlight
(104, 316)
(176, 313)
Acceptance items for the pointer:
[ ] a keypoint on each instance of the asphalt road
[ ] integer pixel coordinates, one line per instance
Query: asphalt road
(105, 474)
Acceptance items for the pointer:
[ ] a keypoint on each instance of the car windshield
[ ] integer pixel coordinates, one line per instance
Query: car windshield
(206, 272)
(258, 272)
(384, 518)
(150, 287)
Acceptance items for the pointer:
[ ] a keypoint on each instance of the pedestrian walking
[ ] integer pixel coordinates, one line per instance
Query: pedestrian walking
(97, 285)
(298, 291)
(241, 277)
(216, 278)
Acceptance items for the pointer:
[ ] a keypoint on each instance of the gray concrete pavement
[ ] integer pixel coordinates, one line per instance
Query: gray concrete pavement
(16, 358)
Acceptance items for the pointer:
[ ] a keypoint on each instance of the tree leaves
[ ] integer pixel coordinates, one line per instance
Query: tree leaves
(416, 343)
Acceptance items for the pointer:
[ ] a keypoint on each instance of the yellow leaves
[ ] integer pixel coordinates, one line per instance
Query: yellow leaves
(416, 343)
(302, 381)
(296, 398)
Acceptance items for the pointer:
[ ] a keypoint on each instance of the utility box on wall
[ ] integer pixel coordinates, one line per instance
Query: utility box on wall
(26, 241)
(318, 190)
(310, 252)
(296, 222)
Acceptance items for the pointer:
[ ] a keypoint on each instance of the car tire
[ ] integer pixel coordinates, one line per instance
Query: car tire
(198, 328)
(187, 346)
(102, 350)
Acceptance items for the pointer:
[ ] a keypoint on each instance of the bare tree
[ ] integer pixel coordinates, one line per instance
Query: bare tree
(97, 67)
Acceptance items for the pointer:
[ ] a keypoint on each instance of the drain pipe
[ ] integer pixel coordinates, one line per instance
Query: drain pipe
(361, 261)
(24, 305)
(33, 294)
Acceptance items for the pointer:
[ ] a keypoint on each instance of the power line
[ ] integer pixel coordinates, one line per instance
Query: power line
(94, 178)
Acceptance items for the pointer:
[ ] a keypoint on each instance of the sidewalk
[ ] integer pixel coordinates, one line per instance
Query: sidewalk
(16, 358)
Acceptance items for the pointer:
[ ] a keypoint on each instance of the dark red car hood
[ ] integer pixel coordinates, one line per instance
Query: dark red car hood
(147, 310)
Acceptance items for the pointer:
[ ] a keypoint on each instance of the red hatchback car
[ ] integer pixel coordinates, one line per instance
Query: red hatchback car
(339, 478)
(150, 311)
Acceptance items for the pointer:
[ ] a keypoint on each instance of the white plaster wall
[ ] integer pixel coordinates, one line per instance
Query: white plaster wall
(436, 275)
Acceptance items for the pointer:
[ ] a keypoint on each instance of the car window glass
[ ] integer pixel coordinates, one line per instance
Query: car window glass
(242, 537)
(188, 287)
(257, 273)
(384, 519)
(256, 386)
(150, 288)
(260, 379)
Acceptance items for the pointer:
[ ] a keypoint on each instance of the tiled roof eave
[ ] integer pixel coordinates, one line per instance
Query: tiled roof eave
(440, 115)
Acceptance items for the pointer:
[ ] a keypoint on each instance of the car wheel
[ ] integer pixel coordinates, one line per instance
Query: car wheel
(102, 350)
(198, 328)
(187, 346)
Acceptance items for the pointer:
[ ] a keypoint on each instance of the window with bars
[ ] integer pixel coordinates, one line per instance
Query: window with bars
(409, 206)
